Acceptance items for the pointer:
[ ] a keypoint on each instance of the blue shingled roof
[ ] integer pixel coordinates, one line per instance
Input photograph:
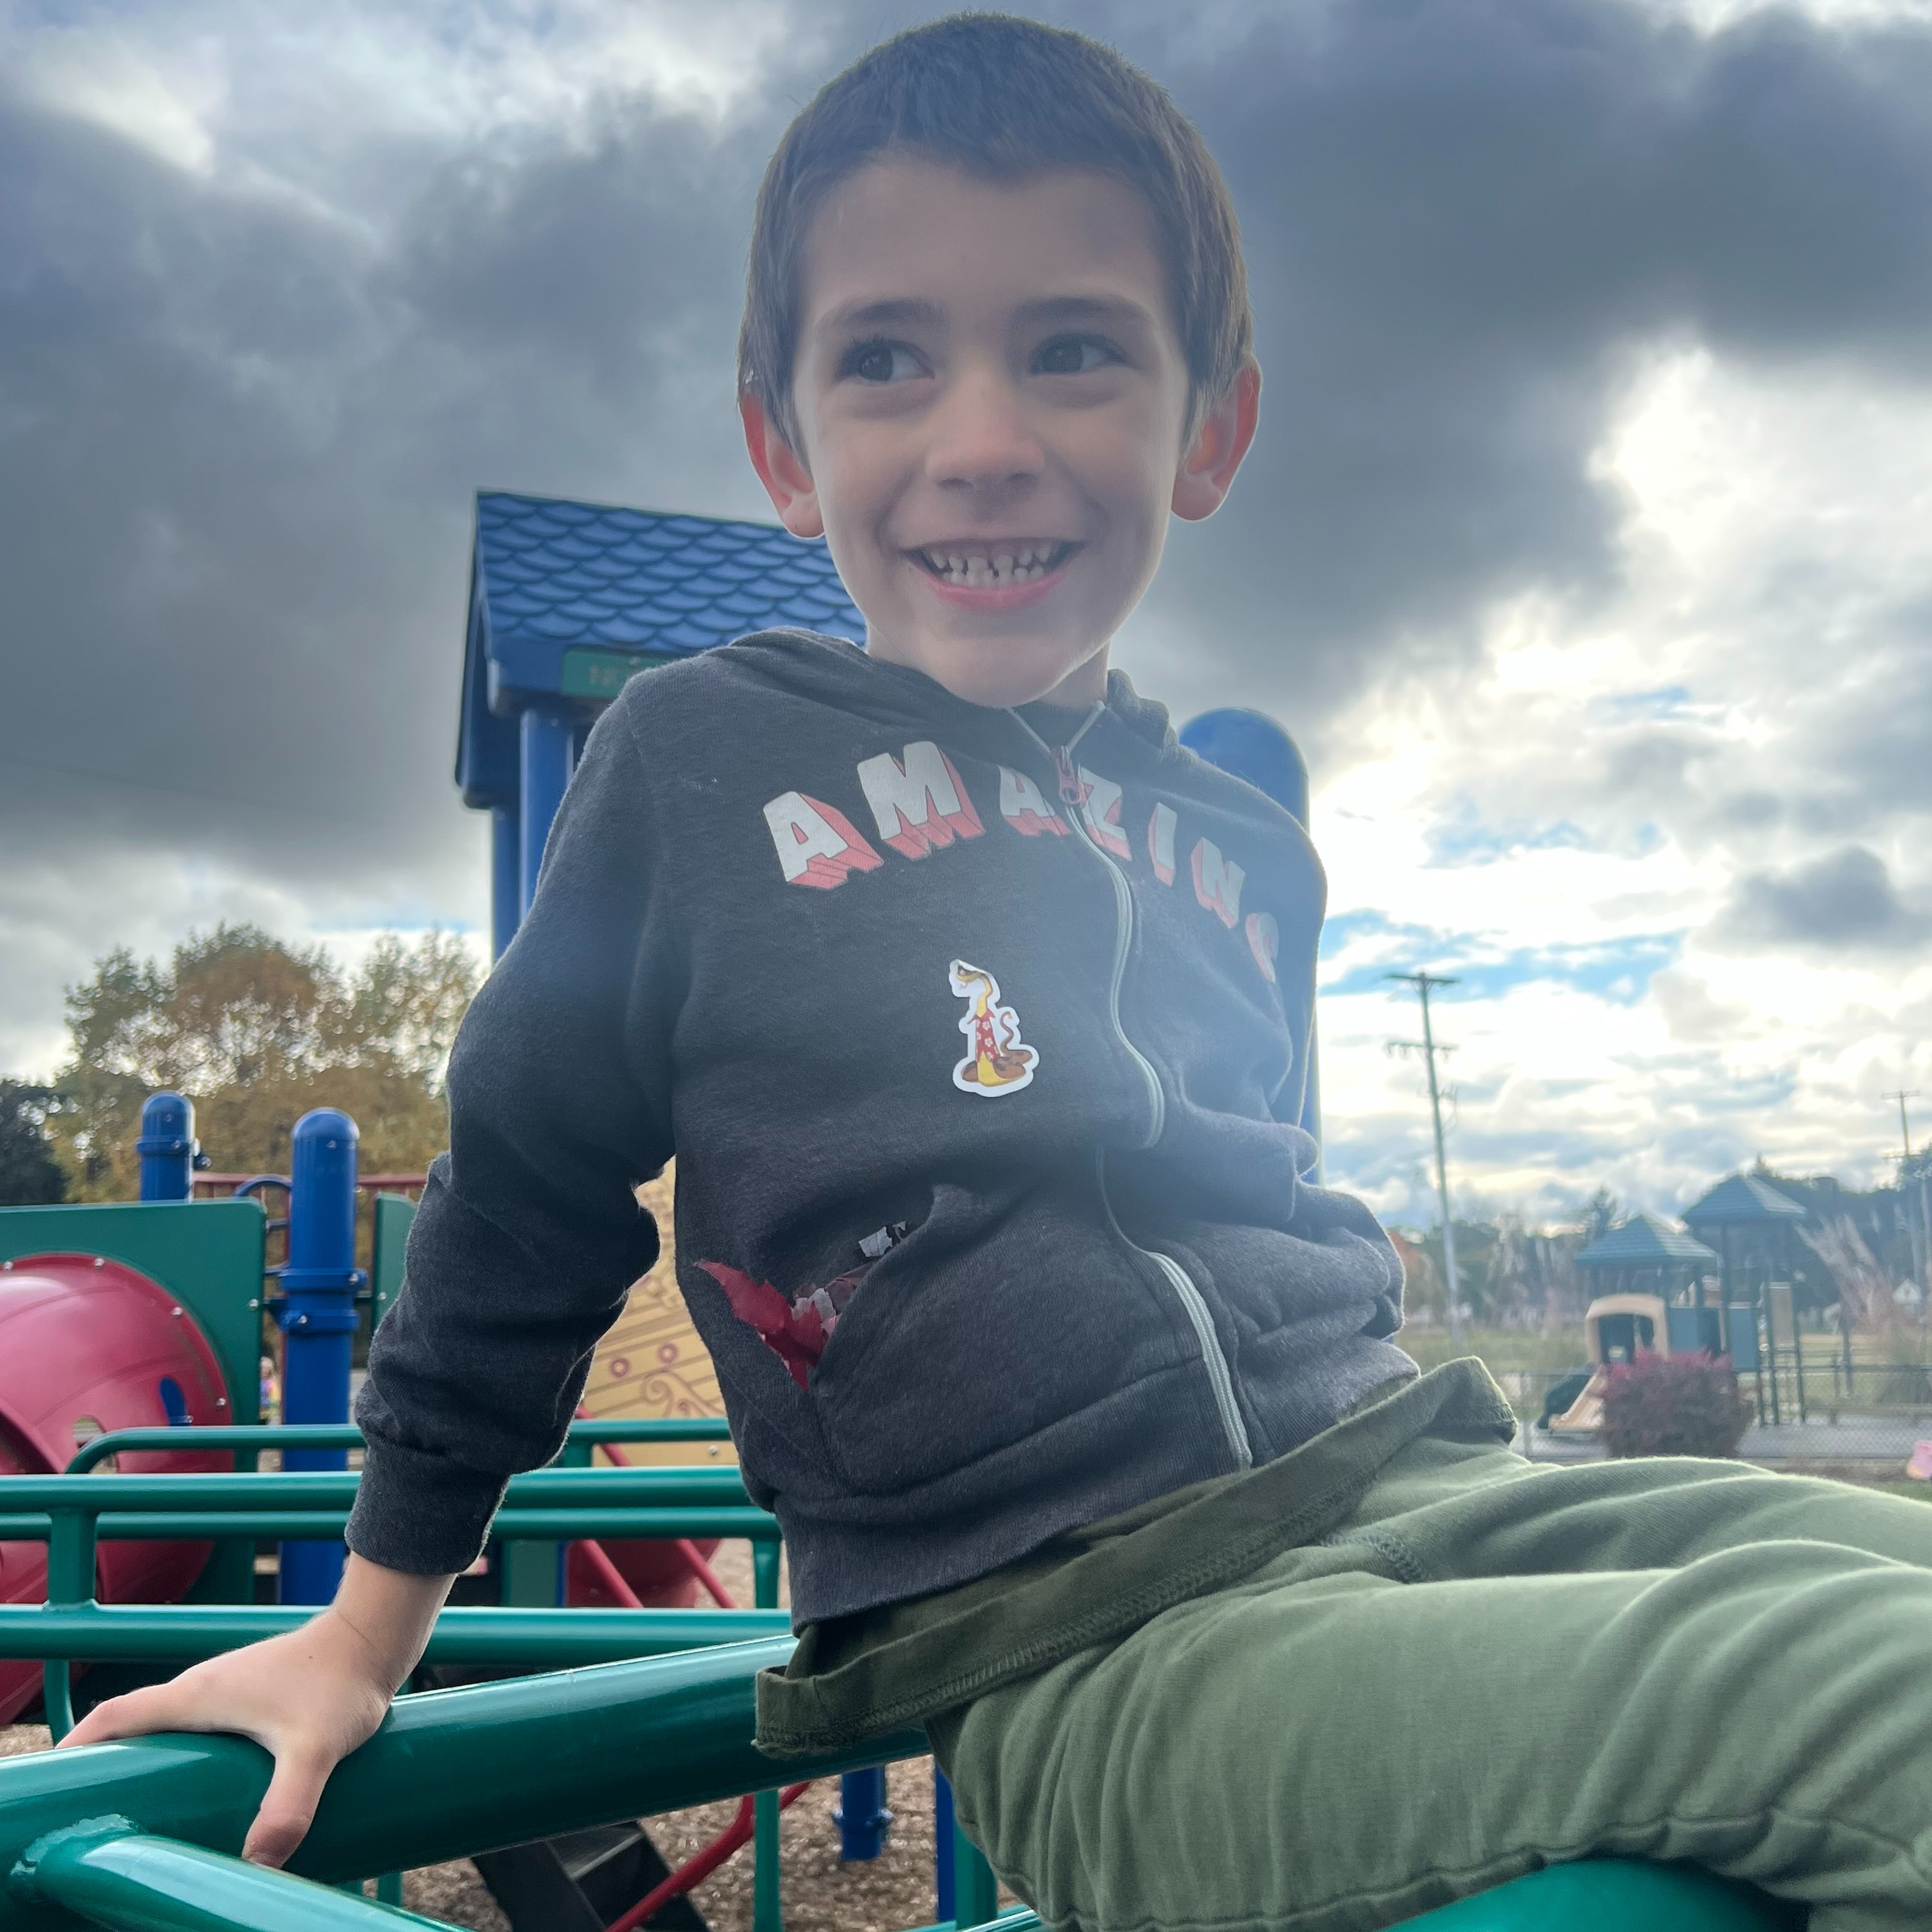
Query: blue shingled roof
(563, 573)
(1744, 1198)
(552, 580)
(1644, 1241)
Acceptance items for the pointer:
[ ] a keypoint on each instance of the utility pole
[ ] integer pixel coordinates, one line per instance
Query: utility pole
(1916, 1236)
(1427, 1048)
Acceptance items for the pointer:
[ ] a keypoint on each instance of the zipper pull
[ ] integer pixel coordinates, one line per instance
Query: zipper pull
(1072, 792)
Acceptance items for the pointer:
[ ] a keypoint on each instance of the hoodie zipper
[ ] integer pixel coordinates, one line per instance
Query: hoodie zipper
(1220, 1378)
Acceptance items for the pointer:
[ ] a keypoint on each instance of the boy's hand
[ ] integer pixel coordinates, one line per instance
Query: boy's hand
(309, 1697)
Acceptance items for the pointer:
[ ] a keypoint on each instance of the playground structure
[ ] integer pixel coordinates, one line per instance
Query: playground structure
(1618, 1328)
(116, 1493)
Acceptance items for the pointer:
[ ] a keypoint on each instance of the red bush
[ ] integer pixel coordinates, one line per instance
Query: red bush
(1685, 1406)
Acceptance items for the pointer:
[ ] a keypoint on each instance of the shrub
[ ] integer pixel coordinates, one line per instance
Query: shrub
(1685, 1406)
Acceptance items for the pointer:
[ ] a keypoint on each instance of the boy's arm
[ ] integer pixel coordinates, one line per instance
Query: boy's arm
(529, 1234)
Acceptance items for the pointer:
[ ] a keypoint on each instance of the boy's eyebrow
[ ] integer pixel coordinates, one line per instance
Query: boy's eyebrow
(1120, 311)
(893, 311)
(908, 311)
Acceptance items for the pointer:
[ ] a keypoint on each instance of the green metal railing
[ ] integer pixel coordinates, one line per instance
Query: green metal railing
(451, 1773)
(73, 1512)
(252, 1438)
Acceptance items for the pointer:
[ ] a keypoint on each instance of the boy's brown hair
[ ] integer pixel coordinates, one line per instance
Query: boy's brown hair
(1002, 98)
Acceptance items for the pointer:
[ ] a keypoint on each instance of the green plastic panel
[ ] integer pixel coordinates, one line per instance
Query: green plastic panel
(394, 1214)
(207, 1254)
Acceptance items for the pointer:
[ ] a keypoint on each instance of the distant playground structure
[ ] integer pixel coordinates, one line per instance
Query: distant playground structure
(138, 1532)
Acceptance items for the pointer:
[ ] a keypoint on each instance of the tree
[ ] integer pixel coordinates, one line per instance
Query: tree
(30, 1174)
(257, 1033)
(1601, 1215)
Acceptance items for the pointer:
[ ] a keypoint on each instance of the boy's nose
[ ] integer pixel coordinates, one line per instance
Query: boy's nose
(981, 437)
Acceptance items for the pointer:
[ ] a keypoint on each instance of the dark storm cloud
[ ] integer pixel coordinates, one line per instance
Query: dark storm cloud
(1844, 902)
(1463, 218)
(240, 423)
(240, 441)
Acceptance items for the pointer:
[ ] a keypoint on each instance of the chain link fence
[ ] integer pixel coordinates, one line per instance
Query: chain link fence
(1812, 1406)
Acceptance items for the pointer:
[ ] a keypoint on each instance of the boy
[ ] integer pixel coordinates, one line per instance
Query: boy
(976, 1012)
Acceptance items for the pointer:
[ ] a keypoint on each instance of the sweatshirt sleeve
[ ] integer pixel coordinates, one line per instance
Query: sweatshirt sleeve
(529, 1233)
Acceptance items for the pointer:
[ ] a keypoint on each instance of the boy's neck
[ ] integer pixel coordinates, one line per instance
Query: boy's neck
(1084, 686)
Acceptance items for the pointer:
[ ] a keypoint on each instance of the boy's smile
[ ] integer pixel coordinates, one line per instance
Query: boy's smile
(993, 407)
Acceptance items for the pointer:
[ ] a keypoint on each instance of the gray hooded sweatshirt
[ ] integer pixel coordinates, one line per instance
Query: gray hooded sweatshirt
(979, 1037)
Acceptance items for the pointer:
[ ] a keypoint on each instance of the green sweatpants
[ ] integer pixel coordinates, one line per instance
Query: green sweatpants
(1487, 1665)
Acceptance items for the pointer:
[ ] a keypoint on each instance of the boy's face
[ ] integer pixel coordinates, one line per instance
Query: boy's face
(992, 406)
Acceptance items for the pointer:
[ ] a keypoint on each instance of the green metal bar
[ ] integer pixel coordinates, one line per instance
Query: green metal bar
(70, 1559)
(57, 1696)
(389, 1888)
(975, 1891)
(621, 1429)
(259, 1436)
(110, 1873)
(529, 1575)
(269, 1526)
(767, 1908)
(333, 1489)
(450, 1773)
(192, 1440)
(553, 1639)
(765, 1574)
(767, 1912)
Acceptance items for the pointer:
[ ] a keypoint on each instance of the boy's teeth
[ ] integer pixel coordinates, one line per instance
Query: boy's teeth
(1021, 566)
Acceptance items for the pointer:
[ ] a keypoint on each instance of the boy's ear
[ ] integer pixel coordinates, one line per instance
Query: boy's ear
(787, 480)
(1207, 471)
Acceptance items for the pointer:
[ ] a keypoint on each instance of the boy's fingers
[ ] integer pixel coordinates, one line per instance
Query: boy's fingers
(151, 1709)
(288, 1808)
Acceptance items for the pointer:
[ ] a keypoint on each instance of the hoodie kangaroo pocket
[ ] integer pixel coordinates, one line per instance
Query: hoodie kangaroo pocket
(1000, 1316)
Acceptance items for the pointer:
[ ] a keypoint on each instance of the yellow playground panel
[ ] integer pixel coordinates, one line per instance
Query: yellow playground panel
(652, 1365)
(1618, 1328)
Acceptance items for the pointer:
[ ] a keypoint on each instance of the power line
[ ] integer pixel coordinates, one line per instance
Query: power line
(1920, 1237)
(1901, 1095)
(1427, 1047)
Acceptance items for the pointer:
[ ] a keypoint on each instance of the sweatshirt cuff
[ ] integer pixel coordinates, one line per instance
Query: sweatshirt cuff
(421, 1513)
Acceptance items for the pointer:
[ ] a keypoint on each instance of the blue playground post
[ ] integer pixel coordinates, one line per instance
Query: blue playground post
(506, 891)
(167, 1147)
(318, 1318)
(945, 1883)
(1250, 745)
(861, 1816)
(543, 745)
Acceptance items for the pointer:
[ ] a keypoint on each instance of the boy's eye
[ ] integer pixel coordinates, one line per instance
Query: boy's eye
(879, 361)
(1073, 355)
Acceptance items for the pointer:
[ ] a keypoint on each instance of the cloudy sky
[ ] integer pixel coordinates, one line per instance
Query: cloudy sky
(1586, 548)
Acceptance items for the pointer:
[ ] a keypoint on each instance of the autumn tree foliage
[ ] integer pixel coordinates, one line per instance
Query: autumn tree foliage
(256, 1032)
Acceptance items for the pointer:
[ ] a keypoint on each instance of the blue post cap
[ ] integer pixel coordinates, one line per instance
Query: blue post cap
(325, 1124)
(167, 1125)
(1250, 745)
